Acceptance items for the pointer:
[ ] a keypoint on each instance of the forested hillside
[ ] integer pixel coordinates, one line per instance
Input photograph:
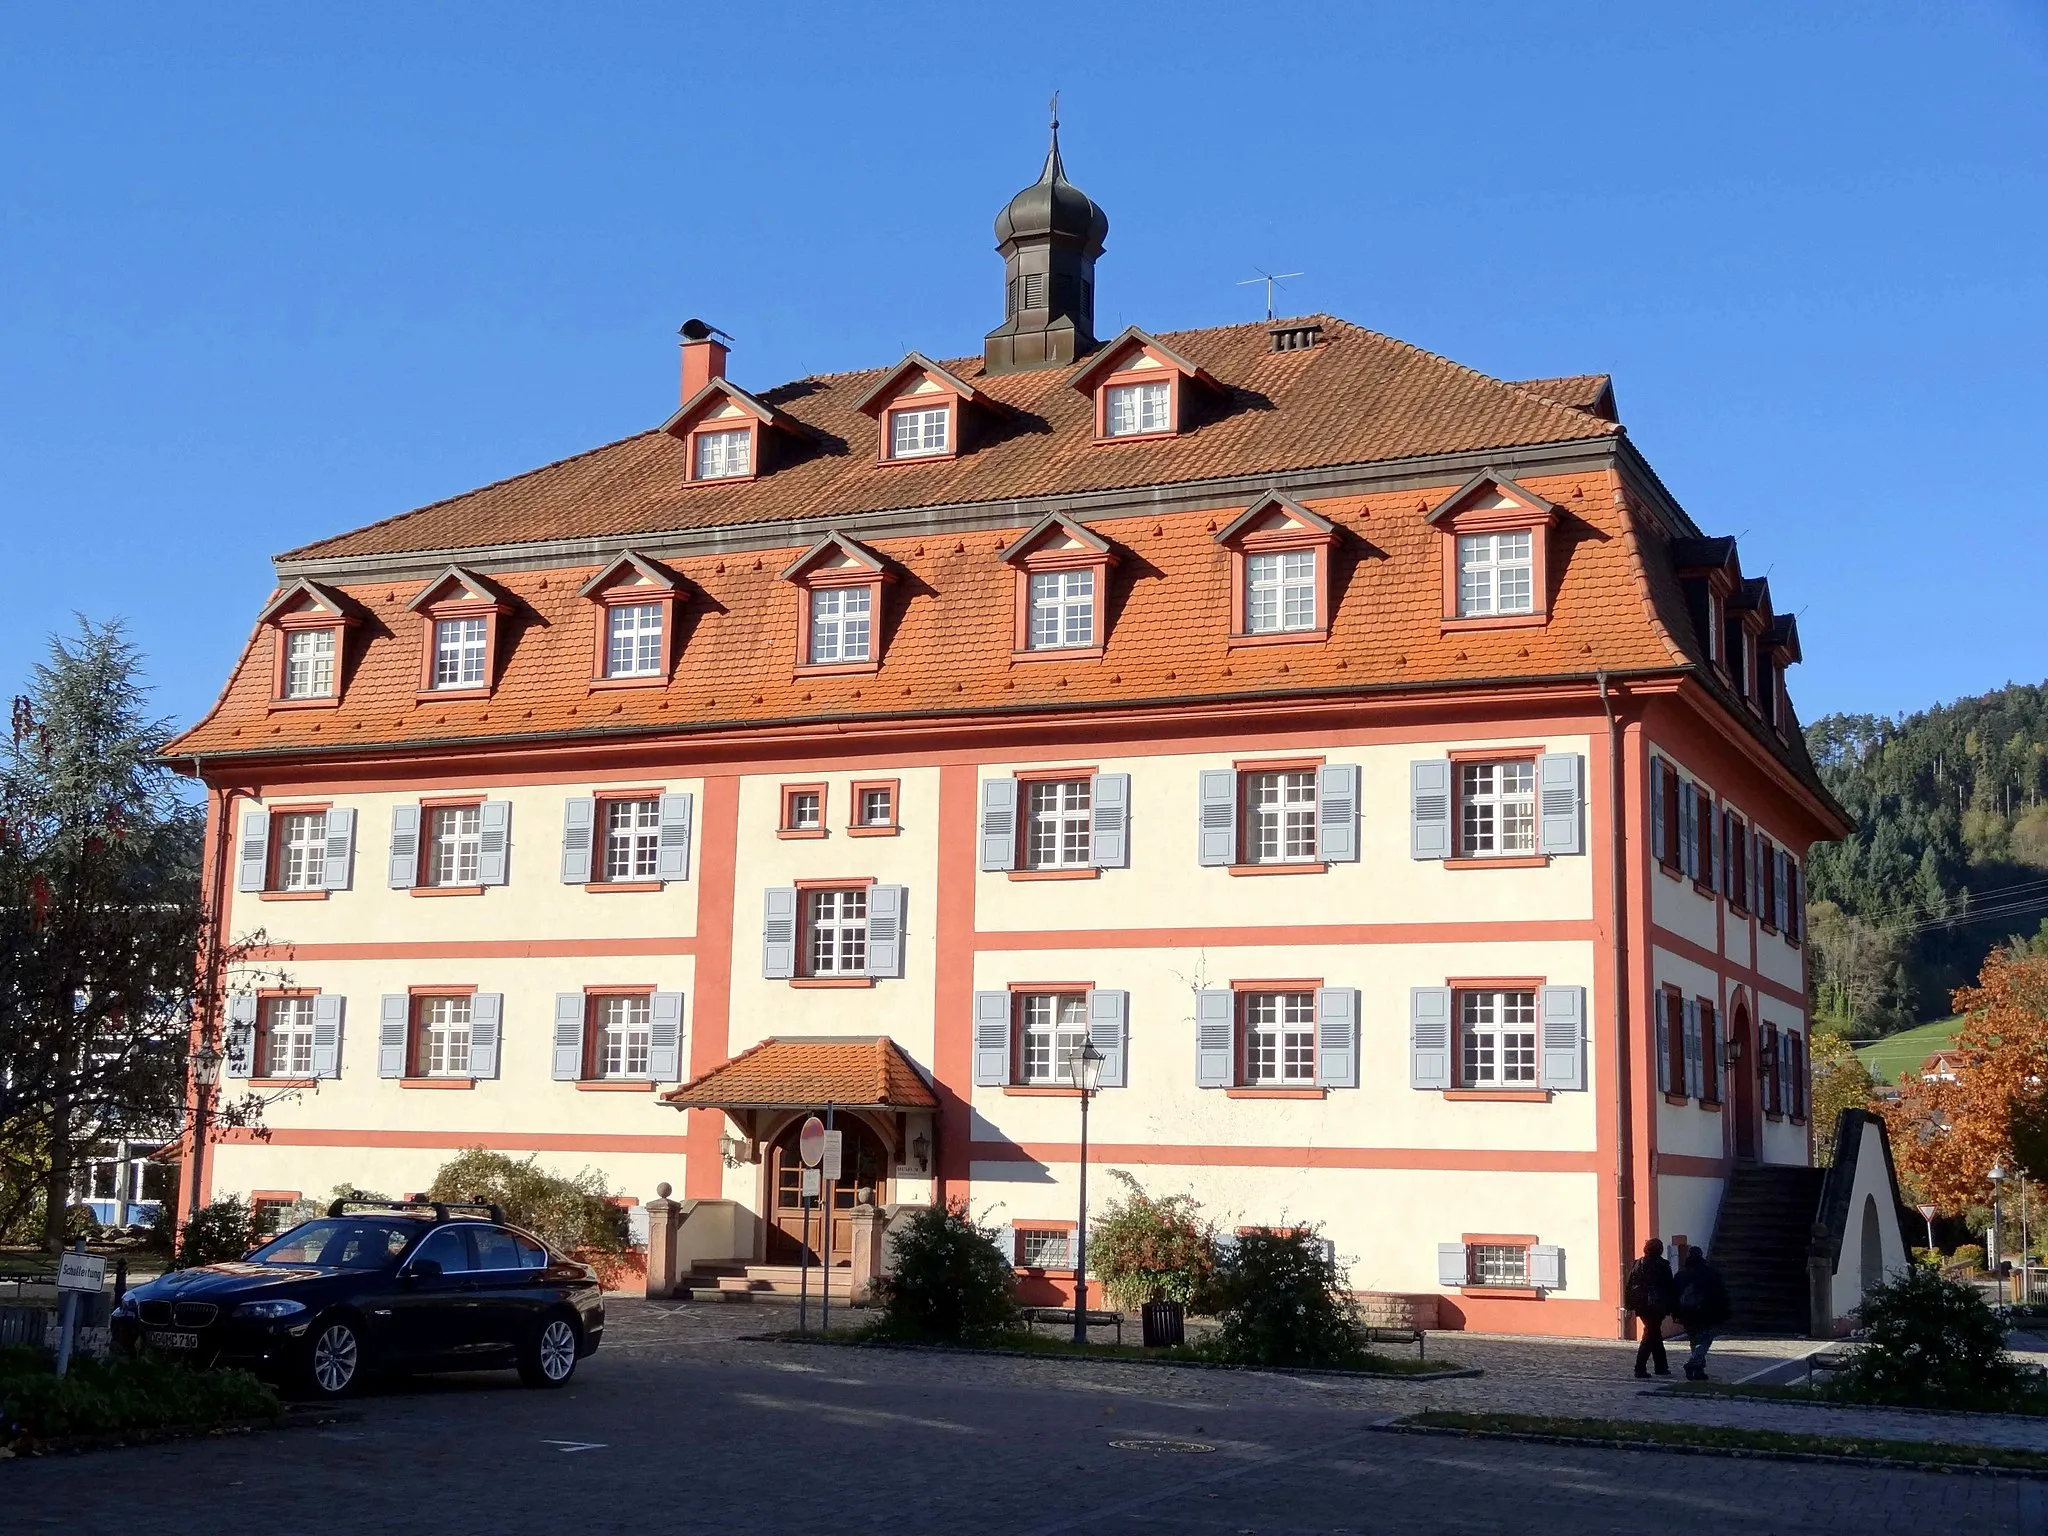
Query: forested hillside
(1950, 855)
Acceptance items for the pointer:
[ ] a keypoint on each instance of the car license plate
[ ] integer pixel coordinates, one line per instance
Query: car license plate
(173, 1340)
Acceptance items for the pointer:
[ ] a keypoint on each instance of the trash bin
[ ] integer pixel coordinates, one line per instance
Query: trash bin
(1166, 1324)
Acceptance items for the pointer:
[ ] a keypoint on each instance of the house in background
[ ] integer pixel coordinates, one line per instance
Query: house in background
(1370, 757)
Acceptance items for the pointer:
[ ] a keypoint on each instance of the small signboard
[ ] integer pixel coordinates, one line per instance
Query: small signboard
(1927, 1212)
(811, 1141)
(834, 1140)
(813, 1184)
(81, 1272)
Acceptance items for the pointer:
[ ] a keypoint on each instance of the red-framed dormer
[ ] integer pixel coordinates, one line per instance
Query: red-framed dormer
(634, 637)
(1280, 556)
(728, 435)
(1495, 539)
(1062, 592)
(460, 614)
(838, 591)
(309, 626)
(1142, 388)
(923, 412)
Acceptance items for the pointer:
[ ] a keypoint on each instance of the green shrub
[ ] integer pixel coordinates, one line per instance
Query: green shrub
(950, 1284)
(576, 1215)
(1143, 1249)
(1968, 1256)
(1930, 1342)
(1281, 1302)
(217, 1233)
(120, 1394)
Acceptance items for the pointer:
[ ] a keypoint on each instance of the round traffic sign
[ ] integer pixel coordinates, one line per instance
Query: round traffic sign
(811, 1141)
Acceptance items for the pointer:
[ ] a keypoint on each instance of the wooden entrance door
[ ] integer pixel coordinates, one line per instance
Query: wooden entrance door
(865, 1164)
(1742, 1083)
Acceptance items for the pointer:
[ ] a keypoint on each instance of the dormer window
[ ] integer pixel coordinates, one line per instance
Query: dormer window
(1141, 387)
(724, 455)
(922, 410)
(1062, 582)
(1132, 409)
(309, 663)
(636, 602)
(460, 611)
(1496, 575)
(633, 641)
(842, 624)
(1062, 609)
(1495, 537)
(1280, 592)
(838, 606)
(310, 623)
(918, 434)
(1280, 572)
(461, 652)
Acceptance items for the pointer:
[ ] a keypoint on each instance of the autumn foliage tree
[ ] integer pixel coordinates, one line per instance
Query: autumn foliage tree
(1947, 1135)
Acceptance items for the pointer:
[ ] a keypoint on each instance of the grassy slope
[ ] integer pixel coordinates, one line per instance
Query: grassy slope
(1894, 1054)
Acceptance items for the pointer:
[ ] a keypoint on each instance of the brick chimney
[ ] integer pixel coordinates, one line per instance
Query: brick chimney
(703, 356)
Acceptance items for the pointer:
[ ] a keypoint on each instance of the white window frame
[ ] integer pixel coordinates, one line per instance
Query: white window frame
(1052, 1029)
(842, 625)
(836, 931)
(1058, 824)
(1137, 409)
(1505, 1265)
(1279, 1039)
(632, 839)
(633, 633)
(445, 1022)
(1281, 810)
(918, 432)
(301, 851)
(870, 799)
(1497, 574)
(623, 1025)
(287, 1037)
(806, 810)
(1499, 1039)
(460, 647)
(1280, 592)
(1496, 818)
(1062, 610)
(726, 454)
(309, 657)
(455, 844)
(1044, 1248)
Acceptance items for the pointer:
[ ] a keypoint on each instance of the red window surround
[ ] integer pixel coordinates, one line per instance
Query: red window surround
(415, 1041)
(1485, 1093)
(1240, 1044)
(283, 627)
(1275, 524)
(1459, 513)
(473, 600)
(1523, 1241)
(919, 384)
(1112, 368)
(271, 881)
(858, 792)
(1458, 860)
(603, 800)
(711, 425)
(1166, 376)
(613, 588)
(1017, 1088)
(420, 887)
(1250, 765)
(787, 827)
(855, 567)
(258, 1078)
(1058, 545)
(593, 999)
(804, 891)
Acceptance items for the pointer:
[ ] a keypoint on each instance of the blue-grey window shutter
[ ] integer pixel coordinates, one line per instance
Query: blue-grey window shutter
(1453, 1264)
(1688, 828)
(1337, 813)
(1658, 810)
(1666, 1083)
(665, 1038)
(991, 1039)
(1337, 1037)
(240, 1036)
(1215, 1035)
(778, 932)
(394, 1014)
(1752, 877)
(1109, 800)
(998, 823)
(486, 1017)
(1108, 1032)
(494, 842)
(1564, 1037)
(672, 859)
(579, 831)
(1005, 1239)
(1780, 866)
(570, 1011)
(253, 865)
(1429, 1037)
(339, 862)
(1218, 827)
(327, 1018)
(885, 929)
(1560, 802)
(1546, 1267)
(1691, 1029)
(405, 850)
(1715, 827)
(1429, 808)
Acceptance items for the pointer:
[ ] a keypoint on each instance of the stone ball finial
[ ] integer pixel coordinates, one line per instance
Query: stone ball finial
(661, 1191)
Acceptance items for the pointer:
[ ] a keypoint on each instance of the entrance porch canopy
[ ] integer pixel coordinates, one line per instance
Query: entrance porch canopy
(868, 1072)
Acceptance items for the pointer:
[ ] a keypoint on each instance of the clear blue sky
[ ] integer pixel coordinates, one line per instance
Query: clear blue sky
(269, 272)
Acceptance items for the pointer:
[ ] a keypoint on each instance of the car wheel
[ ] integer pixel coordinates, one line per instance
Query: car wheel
(334, 1358)
(549, 1360)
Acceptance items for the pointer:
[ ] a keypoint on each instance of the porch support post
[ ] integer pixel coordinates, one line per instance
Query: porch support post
(867, 1251)
(664, 1217)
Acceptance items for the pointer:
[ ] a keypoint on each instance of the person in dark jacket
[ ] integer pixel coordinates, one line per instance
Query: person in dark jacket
(1649, 1295)
(1702, 1307)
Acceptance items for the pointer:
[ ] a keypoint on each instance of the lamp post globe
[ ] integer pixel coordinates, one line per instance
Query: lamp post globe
(205, 1064)
(1085, 1070)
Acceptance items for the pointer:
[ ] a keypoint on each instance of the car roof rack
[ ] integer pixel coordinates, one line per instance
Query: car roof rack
(442, 1210)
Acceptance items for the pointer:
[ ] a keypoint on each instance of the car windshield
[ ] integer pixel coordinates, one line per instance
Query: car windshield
(340, 1243)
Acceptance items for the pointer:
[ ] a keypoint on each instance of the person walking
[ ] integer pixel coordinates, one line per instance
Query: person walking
(1648, 1295)
(1702, 1308)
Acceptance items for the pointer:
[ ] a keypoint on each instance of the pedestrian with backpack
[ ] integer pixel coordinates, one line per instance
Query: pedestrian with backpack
(1702, 1307)
(1648, 1295)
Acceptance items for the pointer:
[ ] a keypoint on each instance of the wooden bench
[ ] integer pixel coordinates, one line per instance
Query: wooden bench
(1036, 1315)
(1413, 1336)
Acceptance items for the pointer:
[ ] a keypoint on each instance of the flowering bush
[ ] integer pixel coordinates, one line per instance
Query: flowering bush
(1144, 1249)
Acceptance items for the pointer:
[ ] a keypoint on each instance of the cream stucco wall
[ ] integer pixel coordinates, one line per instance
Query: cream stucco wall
(1871, 1186)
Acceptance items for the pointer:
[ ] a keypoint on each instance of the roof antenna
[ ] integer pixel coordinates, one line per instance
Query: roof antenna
(1269, 279)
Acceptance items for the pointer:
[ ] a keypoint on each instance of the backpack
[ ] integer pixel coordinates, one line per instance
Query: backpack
(1632, 1288)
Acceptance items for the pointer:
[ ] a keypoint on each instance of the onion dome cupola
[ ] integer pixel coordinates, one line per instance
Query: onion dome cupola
(1049, 235)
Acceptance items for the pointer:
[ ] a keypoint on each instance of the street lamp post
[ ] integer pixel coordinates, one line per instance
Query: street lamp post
(204, 1065)
(1997, 1177)
(1086, 1071)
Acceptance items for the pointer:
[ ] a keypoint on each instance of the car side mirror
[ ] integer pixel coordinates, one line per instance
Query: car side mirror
(424, 1269)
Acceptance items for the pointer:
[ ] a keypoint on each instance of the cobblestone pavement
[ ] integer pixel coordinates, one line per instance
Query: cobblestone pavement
(679, 1423)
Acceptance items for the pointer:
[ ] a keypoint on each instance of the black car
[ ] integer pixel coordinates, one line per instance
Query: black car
(378, 1286)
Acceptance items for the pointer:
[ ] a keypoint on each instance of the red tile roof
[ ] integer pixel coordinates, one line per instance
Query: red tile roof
(867, 1073)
